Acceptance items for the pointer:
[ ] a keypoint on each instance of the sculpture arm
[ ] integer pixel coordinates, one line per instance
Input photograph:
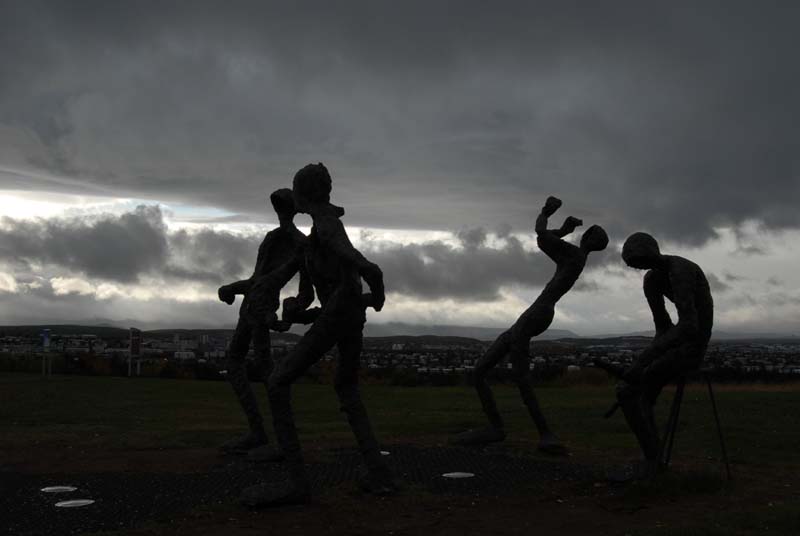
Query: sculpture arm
(683, 289)
(243, 286)
(669, 335)
(305, 290)
(332, 233)
(654, 292)
(549, 240)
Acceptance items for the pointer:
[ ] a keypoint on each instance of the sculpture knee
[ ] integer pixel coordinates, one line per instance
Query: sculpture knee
(348, 393)
(277, 382)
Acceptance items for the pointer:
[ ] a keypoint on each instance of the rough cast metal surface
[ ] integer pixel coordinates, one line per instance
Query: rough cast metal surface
(336, 269)
(676, 349)
(125, 500)
(257, 314)
(570, 261)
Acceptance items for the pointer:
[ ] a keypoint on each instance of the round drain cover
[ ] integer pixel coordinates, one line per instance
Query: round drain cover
(58, 489)
(74, 504)
(458, 475)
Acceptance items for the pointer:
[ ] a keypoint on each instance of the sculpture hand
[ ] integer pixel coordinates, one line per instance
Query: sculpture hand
(551, 205)
(291, 308)
(374, 278)
(371, 300)
(226, 294)
(571, 223)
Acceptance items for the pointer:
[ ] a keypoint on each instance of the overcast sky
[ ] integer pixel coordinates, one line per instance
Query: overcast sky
(139, 142)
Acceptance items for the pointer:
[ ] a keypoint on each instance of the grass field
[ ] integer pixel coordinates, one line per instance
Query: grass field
(73, 421)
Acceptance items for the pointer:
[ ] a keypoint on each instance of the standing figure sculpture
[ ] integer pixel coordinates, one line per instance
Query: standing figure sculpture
(676, 348)
(336, 269)
(257, 315)
(570, 261)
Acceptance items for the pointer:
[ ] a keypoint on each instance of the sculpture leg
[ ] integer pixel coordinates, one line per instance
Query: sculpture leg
(520, 363)
(237, 376)
(263, 350)
(317, 340)
(638, 402)
(495, 432)
(668, 367)
(639, 418)
(378, 478)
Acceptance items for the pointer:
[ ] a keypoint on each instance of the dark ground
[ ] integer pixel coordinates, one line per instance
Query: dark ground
(145, 451)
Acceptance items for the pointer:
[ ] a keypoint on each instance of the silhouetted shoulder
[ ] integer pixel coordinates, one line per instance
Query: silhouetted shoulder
(682, 267)
(655, 279)
(328, 226)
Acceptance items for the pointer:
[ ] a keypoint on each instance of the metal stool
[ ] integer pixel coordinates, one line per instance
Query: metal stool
(665, 449)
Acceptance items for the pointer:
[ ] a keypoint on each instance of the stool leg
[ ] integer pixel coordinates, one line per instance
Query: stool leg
(677, 410)
(719, 427)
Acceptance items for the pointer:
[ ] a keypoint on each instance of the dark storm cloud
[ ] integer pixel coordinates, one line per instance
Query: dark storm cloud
(672, 118)
(124, 247)
(115, 248)
(471, 270)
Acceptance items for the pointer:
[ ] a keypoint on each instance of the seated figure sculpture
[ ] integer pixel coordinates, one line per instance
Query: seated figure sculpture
(336, 269)
(570, 261)
(257, 315)
(676, 348)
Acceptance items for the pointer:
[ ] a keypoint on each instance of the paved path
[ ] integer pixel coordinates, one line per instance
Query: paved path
(129, 499)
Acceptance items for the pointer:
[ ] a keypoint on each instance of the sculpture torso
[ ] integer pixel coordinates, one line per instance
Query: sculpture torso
(689, 278)
(330, 273)
(570, 261)
(279, 247)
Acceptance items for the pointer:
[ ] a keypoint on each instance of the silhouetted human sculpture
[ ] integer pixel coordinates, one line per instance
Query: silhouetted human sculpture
(257, 315)
(336, 269)
(570, 261)
(676, 348)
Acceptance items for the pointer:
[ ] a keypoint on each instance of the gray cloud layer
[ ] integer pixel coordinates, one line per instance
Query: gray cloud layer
(672, 118)
(125, 247)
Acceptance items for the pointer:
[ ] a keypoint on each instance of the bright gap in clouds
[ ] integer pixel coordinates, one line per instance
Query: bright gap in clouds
(754, 278)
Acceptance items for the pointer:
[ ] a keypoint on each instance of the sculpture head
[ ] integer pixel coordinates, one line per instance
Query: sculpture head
(283, 203)
(311, 186)
(641, 251)
(594, 239)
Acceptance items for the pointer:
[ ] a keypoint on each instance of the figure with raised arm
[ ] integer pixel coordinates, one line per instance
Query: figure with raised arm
(275, 265)
(570, 261)
(336, 269)
(676, 348)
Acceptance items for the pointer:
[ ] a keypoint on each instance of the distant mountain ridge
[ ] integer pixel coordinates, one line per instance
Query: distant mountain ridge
(388, 330)
(719, 335)
(469, 332)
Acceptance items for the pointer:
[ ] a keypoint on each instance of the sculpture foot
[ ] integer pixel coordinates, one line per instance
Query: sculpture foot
(482, 436)
(550, 444)
(378, 482)
(275, 494)
(241, 445)
(265, 454)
